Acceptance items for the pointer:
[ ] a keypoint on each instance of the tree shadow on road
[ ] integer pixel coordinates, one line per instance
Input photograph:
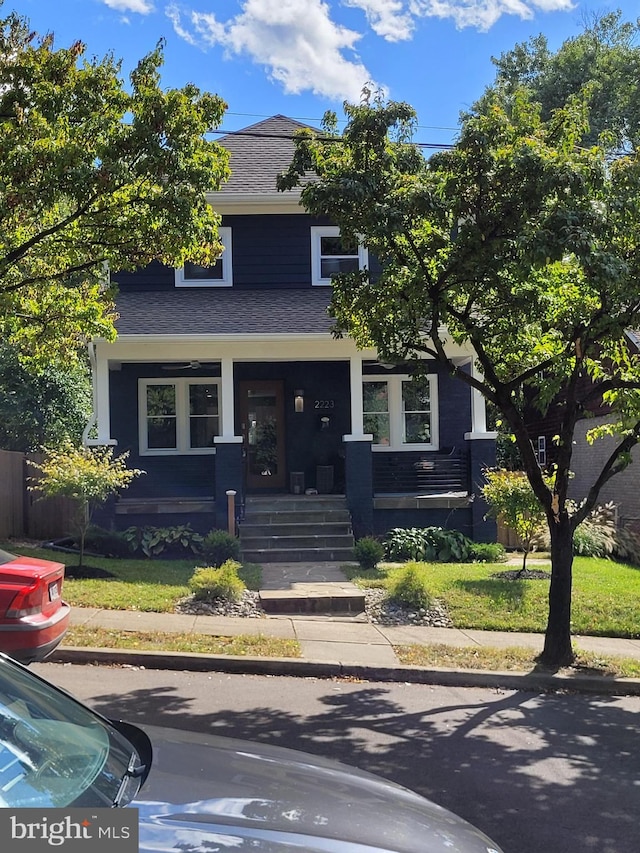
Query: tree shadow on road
(535, 771)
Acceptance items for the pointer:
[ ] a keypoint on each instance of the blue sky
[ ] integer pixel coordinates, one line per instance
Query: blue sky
(301, 57)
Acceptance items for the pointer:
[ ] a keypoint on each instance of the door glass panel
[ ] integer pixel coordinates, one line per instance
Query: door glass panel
(262, 434)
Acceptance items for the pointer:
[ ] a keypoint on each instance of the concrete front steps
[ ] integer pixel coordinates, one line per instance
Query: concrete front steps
(300, 541)
(312, 589)
(296, 529)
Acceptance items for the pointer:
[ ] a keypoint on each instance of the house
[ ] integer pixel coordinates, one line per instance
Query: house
(228, 378)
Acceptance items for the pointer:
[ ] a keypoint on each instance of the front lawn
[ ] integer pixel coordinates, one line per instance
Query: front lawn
(152, 585)
(606, 596)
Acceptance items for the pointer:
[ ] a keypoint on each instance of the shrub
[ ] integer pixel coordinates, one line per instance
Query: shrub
(152, 541)
(487, 552)
(108, 543)
(409, 586)
(433, 544)
(368, 552)
(627, 545)
(210, 583)
(218, 546)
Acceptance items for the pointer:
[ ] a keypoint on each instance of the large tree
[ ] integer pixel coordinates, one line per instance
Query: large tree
(95, 174)
(43, 407)
(604, 56)
(520, 241)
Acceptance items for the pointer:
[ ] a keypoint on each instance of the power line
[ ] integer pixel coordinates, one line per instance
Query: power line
(291, 138)
(340, 121)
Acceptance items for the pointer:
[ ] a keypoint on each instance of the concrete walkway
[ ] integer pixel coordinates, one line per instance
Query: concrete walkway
(336, 639)
(339, 645)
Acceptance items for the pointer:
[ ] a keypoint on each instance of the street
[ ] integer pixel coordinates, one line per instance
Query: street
(537, 772)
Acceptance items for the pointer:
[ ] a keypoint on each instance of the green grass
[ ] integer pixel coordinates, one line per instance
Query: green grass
(243, 644)
(149, 585)
(606, 596)
(513, 658)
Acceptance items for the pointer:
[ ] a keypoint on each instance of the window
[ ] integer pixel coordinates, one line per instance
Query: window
(219, 274)
(178, 415)
(332, 254)
(400, 412)
(542, 451)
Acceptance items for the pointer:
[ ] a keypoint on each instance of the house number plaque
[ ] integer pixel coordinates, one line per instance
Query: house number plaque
(324, 404)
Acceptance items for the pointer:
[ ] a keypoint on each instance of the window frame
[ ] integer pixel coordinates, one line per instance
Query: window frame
(317, 233)
(396, 412)
(183, 415)
(224, 232)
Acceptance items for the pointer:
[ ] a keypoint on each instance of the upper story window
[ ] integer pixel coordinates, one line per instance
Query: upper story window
(332, 254)
(401, 412)
(219, 274)
(178, 415)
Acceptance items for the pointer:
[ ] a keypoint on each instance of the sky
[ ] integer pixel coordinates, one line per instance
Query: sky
(302, 57)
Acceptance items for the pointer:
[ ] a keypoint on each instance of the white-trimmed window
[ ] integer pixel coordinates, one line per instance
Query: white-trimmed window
(401, 412)
(332, 254)
(179, 415)
(219, 274)
(541, 452)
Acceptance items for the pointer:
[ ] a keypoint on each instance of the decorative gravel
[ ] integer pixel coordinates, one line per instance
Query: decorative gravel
(379, 610)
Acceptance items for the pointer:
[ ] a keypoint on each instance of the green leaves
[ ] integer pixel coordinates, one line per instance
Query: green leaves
(93, 172)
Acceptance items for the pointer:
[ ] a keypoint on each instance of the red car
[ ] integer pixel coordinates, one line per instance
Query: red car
(33, 616)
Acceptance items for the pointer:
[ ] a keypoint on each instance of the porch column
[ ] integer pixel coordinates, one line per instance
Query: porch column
(357, 416)
(100, 418)
(359, 484)
(482, 454)
(227, 403)
(228, 477)
(358, 461)
(228, 450)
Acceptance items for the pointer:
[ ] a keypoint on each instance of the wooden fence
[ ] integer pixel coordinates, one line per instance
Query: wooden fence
(24, 512)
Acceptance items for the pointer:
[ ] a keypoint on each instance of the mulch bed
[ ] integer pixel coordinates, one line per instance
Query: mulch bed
(519, 575)
(86, 572)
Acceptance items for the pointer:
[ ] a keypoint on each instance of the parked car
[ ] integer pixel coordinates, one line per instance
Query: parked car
(33, 616)
(202, 792)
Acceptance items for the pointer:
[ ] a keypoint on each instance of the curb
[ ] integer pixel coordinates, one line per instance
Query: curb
(529, 681)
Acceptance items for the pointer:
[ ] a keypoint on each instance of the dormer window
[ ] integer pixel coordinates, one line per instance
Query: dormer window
(219, 274)
(332, 254)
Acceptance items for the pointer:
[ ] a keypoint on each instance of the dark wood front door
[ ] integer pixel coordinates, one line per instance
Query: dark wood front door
(262, 422)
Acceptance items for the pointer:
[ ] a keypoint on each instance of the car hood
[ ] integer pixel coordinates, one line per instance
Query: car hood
(207, 793)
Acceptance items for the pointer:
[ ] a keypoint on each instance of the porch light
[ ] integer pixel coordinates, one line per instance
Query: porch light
(298, 400)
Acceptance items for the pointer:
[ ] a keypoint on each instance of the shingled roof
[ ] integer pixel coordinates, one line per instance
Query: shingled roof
(223, 312)
(259, 153)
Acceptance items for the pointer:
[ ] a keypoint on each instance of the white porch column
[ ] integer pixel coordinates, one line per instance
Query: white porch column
(101, 403)
(227, 402)
(478, 411)
(357, 414)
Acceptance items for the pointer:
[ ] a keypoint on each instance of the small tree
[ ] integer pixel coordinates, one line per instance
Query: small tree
(511, 498)
(86, 474)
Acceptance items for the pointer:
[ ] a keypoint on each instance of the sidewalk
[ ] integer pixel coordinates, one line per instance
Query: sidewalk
(333, 646)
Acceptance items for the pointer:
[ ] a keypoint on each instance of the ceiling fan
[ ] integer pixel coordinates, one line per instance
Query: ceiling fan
(187, 365)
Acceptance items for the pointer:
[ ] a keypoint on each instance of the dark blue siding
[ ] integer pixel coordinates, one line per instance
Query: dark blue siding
(269, 251)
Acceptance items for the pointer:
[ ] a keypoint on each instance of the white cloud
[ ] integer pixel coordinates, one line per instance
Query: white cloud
(142, 7)
(390, 19)
(483, 14)
(302, 47)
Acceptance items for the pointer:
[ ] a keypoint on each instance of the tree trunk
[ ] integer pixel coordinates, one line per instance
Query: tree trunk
(557, 650)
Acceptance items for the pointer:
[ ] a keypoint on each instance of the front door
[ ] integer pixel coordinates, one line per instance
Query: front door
(262, 423)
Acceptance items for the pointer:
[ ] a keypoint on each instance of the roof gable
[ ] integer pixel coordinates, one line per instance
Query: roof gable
(259, 153)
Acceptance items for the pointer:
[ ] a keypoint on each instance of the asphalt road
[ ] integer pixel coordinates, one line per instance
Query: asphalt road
(557, 773)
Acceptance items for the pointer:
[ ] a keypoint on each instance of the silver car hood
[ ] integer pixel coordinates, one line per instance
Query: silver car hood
(207, 793)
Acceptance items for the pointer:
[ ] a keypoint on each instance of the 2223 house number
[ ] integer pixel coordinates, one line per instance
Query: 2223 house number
(324, 404)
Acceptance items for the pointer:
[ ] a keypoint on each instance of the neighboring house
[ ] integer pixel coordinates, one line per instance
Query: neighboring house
(588, 457)
(228, 378)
